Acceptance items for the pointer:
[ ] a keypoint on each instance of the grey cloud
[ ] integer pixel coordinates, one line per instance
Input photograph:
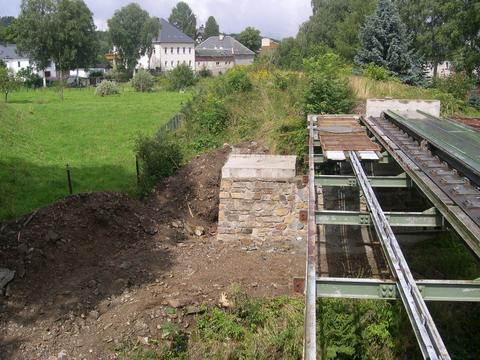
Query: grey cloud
(275, 18)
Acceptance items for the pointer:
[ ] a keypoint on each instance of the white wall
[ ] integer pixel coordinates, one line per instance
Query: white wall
(244, 59)
(17, 64)
(444, 69)
(168, 55)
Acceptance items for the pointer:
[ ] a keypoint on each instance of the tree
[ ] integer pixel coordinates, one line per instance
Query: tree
(7, 29)
(131, 31)
(8, 81)
(385, 42)
(467, 54)
(183, 18)
(58, 30)
(211, 28)
(151, 29)
(250, 37)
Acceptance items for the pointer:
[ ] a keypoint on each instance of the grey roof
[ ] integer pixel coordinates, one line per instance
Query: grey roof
(214, 52)
(225, 43)
(170, 34)
(9, 51)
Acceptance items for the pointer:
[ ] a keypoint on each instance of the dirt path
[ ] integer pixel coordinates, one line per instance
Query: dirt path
(96, 270)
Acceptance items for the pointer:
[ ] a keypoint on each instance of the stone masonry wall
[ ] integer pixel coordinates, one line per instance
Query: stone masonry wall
(261, 212)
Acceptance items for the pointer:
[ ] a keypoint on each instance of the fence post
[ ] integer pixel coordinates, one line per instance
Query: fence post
(69, 180)
(137, 167)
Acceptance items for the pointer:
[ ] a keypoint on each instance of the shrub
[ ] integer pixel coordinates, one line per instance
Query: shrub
(159, 157)
(204, 72)
(181, 77)
(211, 114)
(142, 81)
(328, 91)
(456, 84)
(118, 75)
(106, 88)
(237, 80)
(376, 72)
(29, 78)
(474, 99)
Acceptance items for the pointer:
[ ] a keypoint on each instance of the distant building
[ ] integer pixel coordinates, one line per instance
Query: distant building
(170, 48)
(268, 45)
(444, 69)
(15, 61)
(220, 53)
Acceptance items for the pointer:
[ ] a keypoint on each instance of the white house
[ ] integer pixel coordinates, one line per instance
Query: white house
(171, 48)
(15, 61)
(222, 52)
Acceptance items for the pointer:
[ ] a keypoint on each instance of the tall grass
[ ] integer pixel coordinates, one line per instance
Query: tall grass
(366, 88)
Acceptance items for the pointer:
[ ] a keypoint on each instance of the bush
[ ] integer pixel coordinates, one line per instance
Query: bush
(211, 114)
(329, 90)
(118, 75)
(159, 157)
(376, 72)
(456, 84)
(29, 78)
(474, 99)
(204, 72)
(181, 77)
(106, 88)
(237, 80)
(142, 81)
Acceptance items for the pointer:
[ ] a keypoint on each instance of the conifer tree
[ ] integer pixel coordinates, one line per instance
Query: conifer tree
(385, 42)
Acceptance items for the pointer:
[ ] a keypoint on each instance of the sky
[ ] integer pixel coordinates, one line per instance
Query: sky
(275, 18)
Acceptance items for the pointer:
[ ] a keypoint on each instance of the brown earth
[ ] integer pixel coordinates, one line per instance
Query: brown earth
(97, 270)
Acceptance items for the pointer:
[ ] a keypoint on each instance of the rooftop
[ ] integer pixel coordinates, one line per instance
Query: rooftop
(226, 42)
(170, 34)
(9, 51)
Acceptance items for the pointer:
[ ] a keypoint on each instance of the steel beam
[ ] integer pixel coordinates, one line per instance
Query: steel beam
(398, 181)
(427, 218)
(376, 289)
(428, 337)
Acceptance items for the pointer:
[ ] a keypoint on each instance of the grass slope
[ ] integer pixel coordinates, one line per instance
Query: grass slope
(40, 134)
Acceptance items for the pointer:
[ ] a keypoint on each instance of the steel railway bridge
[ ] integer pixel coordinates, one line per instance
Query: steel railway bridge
(441, 159)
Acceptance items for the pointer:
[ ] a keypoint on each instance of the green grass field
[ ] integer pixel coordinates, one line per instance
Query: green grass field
(40, 134)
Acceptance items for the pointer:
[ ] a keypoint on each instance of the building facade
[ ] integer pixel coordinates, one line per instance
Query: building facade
(268, 45)
(15, 62)
(170, 49)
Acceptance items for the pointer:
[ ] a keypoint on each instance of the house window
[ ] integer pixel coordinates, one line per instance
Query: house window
(226, 62)
(189, 62)
(166, 62)
(189, 50)
(184, 50)
(178, 62)
(178, 50)
(166, 50)
(184, 61)
(171, 50)
(218, 62)
(18, 63)
(154, 50)
(47, 74)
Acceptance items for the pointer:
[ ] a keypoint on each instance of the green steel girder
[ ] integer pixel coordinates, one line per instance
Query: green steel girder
(431, 290)
(427, 218)
(399, 181)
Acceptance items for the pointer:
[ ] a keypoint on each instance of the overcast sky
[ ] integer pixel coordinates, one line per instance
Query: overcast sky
(275, 18)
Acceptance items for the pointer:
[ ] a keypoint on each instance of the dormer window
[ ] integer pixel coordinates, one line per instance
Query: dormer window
(171, 50)
(184, 50)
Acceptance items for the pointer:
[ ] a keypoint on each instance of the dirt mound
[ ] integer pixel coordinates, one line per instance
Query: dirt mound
(98, 269)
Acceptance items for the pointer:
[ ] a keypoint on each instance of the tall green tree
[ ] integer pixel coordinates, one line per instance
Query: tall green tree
(183, 18)
(151, 29)
(58, 30)
(130, 30)
(250, 37)
(211, 28)
(384, 41)
(467, 53)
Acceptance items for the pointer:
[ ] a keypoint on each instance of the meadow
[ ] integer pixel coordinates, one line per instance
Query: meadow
(40, 134)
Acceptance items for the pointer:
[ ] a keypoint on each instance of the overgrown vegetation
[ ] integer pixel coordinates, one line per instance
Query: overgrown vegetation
(328, 91)
(159, 157)
(142, 81)
(181, 77)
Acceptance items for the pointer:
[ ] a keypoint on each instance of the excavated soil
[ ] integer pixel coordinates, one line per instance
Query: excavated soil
(97, 270)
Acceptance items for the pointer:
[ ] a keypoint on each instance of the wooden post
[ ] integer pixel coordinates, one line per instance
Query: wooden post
(138, 169)
(69, 180)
